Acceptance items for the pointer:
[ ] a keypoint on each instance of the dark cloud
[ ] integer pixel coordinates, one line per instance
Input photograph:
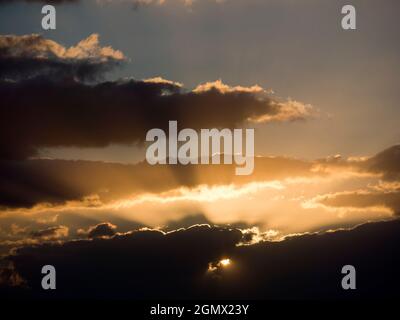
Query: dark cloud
(40, 113)
(104, 229)
(142, 257)
(151, 264)
(8, 278)
(32, 55)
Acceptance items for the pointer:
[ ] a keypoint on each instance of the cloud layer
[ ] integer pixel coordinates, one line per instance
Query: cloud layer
(31, 182)
(53, 107)
(384, 194)
(150, 264)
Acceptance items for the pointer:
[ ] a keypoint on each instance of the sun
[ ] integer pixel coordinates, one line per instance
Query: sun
(225, 262)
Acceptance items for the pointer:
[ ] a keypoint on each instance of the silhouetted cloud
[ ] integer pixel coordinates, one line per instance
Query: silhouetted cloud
(84, 115)
(151, 264)
(142, 257)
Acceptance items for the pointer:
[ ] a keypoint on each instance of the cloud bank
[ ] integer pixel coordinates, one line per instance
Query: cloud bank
(150, 264)
(53, 98)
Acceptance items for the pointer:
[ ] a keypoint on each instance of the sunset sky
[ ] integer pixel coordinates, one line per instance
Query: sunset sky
(76, 103)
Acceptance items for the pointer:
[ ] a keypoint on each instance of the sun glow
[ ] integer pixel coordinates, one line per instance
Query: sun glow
(225, 262)
(202, 193)
(216, 267)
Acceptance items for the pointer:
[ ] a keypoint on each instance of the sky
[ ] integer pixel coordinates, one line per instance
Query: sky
(77, 103)
(289, 47)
